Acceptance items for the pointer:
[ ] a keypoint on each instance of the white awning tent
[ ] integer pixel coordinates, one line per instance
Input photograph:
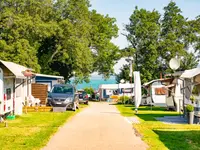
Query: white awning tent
(138, 90)
(15, 69)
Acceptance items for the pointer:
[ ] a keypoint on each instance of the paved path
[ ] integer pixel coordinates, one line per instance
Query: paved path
(98, 127)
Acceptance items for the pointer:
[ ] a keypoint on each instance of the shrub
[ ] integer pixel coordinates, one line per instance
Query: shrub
(124, 99)
(189, 108)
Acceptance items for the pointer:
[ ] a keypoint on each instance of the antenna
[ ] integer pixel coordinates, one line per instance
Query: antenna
(174, 63)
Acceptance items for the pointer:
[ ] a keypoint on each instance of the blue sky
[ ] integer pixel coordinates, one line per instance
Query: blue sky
(122, 9)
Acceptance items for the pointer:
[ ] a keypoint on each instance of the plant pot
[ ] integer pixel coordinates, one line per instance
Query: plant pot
(190, 117)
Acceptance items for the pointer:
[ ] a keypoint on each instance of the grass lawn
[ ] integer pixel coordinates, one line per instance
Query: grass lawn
(33, 130)
(161, 136)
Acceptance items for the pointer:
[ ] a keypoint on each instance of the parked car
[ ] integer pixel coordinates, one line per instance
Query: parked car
(63, 95)
(83, 97)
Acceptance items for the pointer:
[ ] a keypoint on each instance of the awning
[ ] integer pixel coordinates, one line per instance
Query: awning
(190, 73)
(16, 69)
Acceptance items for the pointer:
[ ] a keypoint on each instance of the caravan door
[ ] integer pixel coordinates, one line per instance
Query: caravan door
(8, 91)
(1, 92)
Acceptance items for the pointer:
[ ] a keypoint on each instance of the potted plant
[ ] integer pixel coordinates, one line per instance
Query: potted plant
(190, 113)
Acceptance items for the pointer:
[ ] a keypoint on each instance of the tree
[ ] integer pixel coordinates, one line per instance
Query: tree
(57, 37)
(143, 33)
(157, 39)
(189, 61)
(173, 27)
(89, 90)
(104, 52)
(124, 74)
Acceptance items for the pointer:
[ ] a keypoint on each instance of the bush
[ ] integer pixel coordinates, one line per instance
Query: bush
(189, 108)
(89, 90)
(124, 99)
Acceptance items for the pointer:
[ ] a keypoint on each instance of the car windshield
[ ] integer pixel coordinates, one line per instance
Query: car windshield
(63, 89)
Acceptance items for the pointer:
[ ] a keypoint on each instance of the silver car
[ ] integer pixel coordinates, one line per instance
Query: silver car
(63, 95)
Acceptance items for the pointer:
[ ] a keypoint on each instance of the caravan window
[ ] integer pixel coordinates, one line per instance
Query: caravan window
(127, 90)
(8, 93)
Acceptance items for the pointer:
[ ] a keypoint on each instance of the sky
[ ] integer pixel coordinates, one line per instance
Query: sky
(122, 10)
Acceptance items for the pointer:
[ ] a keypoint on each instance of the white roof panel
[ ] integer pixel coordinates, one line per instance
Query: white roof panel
(190, 73)
(14, 68)
(116, 86)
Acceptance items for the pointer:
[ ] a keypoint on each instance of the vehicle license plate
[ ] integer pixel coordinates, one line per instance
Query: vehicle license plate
(59, 103)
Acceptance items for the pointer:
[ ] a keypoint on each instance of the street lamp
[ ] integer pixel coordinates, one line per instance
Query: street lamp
(122, 81)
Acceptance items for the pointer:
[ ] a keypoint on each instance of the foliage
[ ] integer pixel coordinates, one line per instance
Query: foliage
(195, 90)
(192, 98)
(124, 99)
(189, 108)
(89, 90)
(189, 61)
(143, 32)
(124, 74)
(156, 39)
(58, 37)
(159, 135)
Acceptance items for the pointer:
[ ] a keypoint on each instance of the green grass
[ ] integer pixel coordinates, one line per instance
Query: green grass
(161, 136)
(33, 130)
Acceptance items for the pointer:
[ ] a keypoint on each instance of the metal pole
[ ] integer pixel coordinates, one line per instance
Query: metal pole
(183, 99)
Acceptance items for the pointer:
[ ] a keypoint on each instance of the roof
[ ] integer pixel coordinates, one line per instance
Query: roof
(190, 73)
(116, 86)
(49, 76)
(16, 69)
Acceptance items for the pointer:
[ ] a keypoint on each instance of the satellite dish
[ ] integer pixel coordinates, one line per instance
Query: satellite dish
(174, 63)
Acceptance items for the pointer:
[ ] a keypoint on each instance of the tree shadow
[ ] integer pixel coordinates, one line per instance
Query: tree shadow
(179, 140)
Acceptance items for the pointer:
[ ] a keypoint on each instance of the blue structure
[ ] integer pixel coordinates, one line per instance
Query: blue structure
(49, 80)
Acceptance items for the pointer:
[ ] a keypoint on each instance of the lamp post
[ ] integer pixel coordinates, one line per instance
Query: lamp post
(122, 81)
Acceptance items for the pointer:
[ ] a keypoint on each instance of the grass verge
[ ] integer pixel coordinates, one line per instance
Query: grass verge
(33, 130)
(160, 136)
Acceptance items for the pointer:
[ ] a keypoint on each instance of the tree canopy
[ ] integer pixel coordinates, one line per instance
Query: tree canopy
(156, 38)
(58, 37)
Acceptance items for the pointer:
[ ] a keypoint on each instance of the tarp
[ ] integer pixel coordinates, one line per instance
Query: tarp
(138, 90)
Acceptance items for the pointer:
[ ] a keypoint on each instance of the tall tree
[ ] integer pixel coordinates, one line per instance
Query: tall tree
(143, 33)
(173, 33)
(104, 52)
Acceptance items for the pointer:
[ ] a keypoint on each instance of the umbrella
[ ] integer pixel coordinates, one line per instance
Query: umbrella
(137, 85)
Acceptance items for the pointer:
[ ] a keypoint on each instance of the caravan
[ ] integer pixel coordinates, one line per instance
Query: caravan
(107, 90)
(14, 87)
